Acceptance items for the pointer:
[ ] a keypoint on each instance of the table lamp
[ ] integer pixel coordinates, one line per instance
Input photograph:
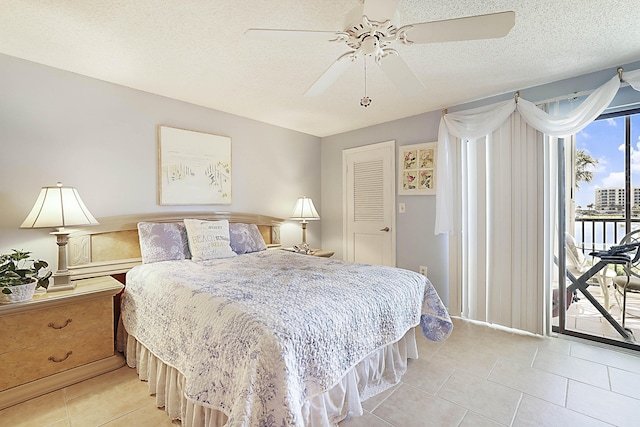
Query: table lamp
(304, 211)
(59, 207)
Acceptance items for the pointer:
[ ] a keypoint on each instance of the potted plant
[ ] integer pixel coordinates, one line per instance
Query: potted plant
(20, 276)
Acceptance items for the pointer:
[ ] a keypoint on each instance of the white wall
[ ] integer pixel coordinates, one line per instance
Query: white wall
(102, 139)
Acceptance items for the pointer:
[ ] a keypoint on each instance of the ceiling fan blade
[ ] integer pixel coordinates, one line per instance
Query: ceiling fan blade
(330, 76)
(297, 35)
(401, 75)
(380, 10)
(489, 26)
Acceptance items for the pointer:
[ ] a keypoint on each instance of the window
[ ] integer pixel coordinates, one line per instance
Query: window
(607, 170)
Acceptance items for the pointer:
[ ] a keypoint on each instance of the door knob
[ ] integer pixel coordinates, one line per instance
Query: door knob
(385, 229)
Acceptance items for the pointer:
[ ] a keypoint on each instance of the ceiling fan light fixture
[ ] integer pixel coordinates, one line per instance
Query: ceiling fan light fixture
(371, 46)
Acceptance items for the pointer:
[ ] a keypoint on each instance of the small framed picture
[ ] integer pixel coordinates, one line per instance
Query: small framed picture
(417, 169)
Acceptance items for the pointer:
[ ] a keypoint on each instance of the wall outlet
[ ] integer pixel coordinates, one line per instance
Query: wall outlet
(423, 270)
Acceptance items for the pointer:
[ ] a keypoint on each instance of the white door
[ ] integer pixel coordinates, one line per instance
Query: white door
(369, 201)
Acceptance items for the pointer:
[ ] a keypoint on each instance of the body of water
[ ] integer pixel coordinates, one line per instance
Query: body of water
(599, 232)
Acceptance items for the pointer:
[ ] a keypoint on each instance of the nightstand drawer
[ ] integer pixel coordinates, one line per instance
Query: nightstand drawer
(31, 363)
(37, 326)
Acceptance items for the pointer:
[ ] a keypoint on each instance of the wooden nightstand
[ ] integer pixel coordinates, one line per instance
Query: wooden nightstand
(315, 252)
(322, 253)
(57, 339)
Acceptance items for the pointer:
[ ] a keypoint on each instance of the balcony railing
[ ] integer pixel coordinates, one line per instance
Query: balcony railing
(596, 233)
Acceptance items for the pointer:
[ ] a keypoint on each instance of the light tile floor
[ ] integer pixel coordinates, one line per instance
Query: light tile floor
(481, 376)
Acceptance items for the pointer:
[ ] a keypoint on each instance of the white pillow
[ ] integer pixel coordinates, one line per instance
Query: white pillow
(208, 239)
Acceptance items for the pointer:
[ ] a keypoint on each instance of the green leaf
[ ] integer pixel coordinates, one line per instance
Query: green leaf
(17, 269)
(40, 264)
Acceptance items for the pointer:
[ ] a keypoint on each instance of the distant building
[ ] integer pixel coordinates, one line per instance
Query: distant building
(610, 200)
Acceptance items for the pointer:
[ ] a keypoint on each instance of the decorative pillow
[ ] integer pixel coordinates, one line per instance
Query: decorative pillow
(163, 241)
(246, 238)
(208, 239)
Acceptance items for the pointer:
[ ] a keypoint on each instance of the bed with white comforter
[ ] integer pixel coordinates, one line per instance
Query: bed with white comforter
(274, 338)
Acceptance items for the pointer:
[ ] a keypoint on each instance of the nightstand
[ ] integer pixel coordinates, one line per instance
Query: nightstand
(57, 339)
(322, 253)
(315, 252)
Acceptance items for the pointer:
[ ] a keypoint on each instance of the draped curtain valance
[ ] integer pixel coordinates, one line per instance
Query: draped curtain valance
(479, 122)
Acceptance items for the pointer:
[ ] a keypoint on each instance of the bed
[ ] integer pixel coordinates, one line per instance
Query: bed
(261, 336)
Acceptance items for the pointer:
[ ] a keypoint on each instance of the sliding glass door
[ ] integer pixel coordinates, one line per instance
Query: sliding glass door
(602, 205)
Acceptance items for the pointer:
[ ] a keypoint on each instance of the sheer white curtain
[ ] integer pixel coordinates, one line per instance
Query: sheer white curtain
(495, 189)
(503, 223)
(633, 78)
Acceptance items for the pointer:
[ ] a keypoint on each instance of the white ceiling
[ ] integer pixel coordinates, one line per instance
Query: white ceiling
(195, 51)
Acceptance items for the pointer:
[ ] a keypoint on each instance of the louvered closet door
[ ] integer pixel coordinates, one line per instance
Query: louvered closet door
(369, 232)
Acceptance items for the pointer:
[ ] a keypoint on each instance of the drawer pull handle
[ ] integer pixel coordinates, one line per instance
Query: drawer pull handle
(53, 359)
(51, 325)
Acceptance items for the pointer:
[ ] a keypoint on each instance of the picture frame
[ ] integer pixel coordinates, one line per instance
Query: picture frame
(417, 169)
(194, 168)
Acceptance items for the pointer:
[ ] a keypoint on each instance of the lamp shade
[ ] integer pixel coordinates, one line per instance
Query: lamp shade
(304, 210)
(58, 207)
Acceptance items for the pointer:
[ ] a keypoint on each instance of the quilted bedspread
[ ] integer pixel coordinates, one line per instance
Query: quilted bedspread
(257, 334)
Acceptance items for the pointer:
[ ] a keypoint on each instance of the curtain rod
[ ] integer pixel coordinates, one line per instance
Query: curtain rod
(571, 96)
(574, 95)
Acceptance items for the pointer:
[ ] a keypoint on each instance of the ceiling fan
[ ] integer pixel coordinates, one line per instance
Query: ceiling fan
(370, 32)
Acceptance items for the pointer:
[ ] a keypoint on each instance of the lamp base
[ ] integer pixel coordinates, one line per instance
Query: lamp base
(61, 278)
(55, 288)
(61, 282)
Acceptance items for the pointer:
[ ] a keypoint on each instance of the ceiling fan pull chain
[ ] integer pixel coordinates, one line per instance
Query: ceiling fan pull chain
(365, 76)
(365, 101)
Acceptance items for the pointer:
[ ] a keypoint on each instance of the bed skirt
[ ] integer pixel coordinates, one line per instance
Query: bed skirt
(375, 373)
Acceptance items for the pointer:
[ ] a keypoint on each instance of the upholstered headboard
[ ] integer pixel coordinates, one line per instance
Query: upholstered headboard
(112, 247)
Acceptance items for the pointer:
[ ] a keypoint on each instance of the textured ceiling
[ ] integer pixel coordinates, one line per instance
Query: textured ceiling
(196, 51)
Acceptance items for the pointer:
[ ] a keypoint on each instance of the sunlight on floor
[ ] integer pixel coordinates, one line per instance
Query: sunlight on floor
(583, 317)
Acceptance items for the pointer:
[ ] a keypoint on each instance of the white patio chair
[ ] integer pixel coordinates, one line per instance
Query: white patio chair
(629, 282)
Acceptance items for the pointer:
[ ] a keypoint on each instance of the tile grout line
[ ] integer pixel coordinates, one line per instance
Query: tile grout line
(66, 406)
(393, 390)
(515, 413)
(128, 413)
(463, 417)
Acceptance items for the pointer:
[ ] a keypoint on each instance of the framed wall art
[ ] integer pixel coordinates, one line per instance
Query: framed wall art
(194, 167)
(417, 169)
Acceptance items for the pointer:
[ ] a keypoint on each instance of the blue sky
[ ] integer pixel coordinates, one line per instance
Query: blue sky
(604, 140)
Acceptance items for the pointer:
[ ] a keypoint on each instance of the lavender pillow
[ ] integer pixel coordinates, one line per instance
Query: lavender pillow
(163, 241)
(246, 238)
